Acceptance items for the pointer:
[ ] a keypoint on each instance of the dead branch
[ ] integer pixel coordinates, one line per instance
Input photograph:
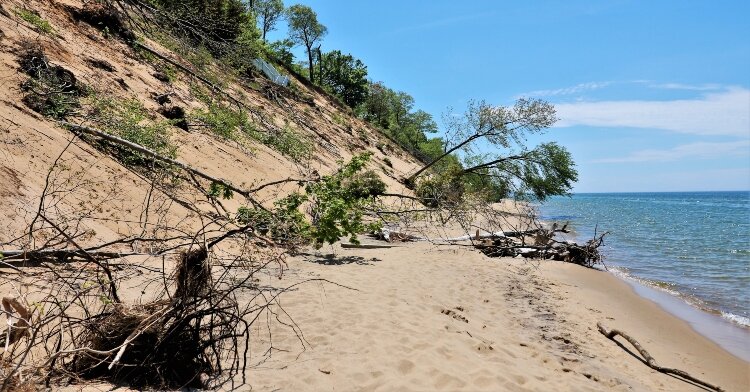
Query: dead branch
(650, 361)
(145, 151)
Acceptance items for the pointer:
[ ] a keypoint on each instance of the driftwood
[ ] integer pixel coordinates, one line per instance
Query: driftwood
(650, 361)
(544, 246)
(60, 255)
(365, 246)
(18, 327)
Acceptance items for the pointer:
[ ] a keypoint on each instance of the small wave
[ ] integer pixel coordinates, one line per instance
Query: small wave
(743, 321)
(558, 217)
(666, 287)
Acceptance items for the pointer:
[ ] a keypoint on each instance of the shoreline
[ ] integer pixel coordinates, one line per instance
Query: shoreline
(731, 336)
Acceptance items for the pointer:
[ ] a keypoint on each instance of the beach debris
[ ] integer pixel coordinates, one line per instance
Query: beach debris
(167, 343)
(389, 235)
(649, 360)
(19, 321)
(452, 313)
(545, 246)
(365, 246)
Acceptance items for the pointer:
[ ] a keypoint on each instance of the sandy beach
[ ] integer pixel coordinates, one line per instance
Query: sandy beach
(419, 317)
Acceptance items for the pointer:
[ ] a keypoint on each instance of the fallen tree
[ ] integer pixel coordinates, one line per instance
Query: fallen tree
(544, 246)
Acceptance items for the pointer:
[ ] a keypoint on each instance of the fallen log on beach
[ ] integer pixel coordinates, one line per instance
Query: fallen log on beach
(544, 246)
(649, 360)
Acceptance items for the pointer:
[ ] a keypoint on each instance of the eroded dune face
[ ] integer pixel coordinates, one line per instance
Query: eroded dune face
(62, 191)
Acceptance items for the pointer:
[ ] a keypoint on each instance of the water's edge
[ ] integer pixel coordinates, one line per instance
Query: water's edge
(730, 336)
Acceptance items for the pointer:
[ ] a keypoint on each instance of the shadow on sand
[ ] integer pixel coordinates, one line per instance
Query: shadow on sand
(333, 259)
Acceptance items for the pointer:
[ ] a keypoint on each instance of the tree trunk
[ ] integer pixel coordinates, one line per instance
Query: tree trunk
(311, 67)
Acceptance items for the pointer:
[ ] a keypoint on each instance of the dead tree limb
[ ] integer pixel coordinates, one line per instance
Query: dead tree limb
(650, 361)
(145, 151)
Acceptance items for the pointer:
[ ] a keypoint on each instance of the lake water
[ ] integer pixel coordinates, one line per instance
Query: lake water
(693, 245)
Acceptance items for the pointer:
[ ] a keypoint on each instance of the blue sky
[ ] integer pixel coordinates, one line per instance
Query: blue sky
(651, 95)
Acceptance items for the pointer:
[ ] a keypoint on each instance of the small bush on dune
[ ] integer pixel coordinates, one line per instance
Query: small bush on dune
(222, 119)
(35, 20)
(129, 120)
(51, 90)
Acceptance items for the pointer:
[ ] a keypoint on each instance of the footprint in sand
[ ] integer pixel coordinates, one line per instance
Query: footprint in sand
(405, 367)
(452, 313)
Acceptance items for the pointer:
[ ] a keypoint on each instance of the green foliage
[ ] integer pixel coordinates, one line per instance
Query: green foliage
(393, 112)
(222, 119)
(285, 223)
(304, 29)
(210, 23)
(51, 90)
(232, 123)
(247, 46)
(281, 51)
(128, 119)
(218, 190)
(511, 169)
(548, 171)
(268, 13)
(337, 202)
(345, 77)
(35, 20)
(336, 207)
(445, 189)
(288, 142)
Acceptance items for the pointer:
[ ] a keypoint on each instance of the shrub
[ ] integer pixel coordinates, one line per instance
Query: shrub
(129, 120)
(338, 201)
(222, 119)
(51, 90)
(444, 189)
(35, 20)
(365, 185)
(285, 223)
(290, 143)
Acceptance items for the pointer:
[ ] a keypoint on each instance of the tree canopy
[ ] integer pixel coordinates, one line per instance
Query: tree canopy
(523, 172)
(304, 29)
(268, 13)
(345, 77)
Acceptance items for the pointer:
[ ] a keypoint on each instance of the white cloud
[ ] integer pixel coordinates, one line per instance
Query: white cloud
(567, 90)
(720, 113)
(691, 87)
(700, 150)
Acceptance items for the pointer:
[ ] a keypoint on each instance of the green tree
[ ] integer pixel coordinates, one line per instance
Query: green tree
(207, 21)
(268, 13)
(394, 112)
(539, 172)
(344, 76)
(304, 29)
(281, 51)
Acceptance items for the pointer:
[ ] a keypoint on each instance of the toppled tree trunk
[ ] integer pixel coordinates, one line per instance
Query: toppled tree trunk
(544, 247)
(650, 361)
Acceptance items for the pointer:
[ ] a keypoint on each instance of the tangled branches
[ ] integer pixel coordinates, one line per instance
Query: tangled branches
(152, 302)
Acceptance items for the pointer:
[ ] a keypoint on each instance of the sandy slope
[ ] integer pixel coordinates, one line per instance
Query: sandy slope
(510, 325)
